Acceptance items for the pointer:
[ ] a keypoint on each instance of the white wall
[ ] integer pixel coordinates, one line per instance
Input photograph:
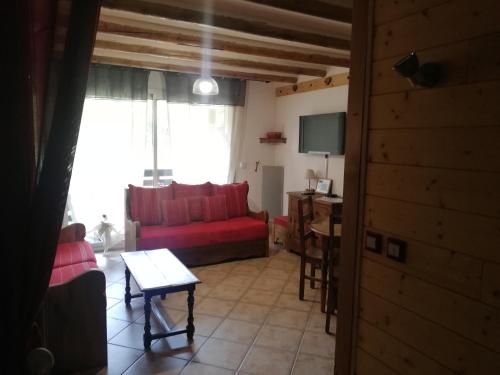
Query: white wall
(266, 112)
(259, 119)
(288, 110)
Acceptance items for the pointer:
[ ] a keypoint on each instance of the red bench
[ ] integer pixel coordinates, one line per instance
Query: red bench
(194, 239)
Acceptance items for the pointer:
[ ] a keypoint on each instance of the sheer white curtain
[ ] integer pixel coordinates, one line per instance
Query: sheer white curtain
(200, 140)
(114, 148)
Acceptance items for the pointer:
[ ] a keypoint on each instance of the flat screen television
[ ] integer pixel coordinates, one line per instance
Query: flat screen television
(323, 134)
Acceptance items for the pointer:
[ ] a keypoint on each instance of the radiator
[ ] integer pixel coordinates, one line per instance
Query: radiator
(272, 190)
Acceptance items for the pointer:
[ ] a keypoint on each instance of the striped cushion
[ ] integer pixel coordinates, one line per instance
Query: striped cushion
(214, 208)
(144, 205)
(63, 274)
(195, 208)
(165, 193)
(175, 212)
(236, 198)
(72, 253)
(186, 191)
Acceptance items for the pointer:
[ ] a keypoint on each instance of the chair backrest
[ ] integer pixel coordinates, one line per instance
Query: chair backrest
(164, 177)
(304, 219)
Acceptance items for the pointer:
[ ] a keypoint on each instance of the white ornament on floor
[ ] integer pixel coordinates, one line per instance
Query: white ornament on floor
(104, 230)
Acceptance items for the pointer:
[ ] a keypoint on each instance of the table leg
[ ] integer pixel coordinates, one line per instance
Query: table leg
(128, 296)
(147, 324)
(324, 276)
(190, 319)
(332, 292)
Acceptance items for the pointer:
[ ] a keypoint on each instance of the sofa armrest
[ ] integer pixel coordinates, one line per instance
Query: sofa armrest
(261, 215)
(132, 233)
(71, 233)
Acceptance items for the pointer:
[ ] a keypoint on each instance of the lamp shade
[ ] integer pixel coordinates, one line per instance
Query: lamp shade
(205, 86)
(310, 174)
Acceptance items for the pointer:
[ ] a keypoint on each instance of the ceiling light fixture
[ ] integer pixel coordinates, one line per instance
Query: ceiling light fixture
(205, 86)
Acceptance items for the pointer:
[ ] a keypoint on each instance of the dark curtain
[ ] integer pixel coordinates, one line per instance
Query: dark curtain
(179, 88)
(117, 82)
(43, 93)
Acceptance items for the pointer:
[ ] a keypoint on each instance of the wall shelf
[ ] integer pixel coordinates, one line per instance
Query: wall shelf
(272, 140)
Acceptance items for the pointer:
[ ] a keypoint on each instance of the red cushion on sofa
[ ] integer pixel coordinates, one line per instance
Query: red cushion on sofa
(236, 198)
(186, 191)
(214, 208)
(144, 205)
(196, 234)
(72, 253)
(63, 274)
(175, 212)
(165, 193)
(195, 208)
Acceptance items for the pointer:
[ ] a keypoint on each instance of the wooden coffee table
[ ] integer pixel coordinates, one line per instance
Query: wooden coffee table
(157, 273)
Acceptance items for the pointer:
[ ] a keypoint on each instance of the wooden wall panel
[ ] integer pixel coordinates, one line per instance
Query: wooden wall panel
(477, 236)
(446, 23)
(469, 61)
(443, 267)
(457, 148)
(432, 340)
(466, 191)
(433, 181)
(491, 284)
(396, 354)
(470, 318)
(369, 365)
(389, 10)
(484, 58)
(466, 105)
(454, 57)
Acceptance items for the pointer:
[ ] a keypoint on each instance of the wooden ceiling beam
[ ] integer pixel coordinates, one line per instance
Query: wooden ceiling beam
(195, 56)
(220, 44)
(312, 8)
(227, 22)
(190, 69)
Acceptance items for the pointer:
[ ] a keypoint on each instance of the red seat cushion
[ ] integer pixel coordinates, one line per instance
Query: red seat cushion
(214, 208)
(175, 212)
(201, 234)
(73, 253)
(281, 220)
(63, 274)
(236, 198)
(187, 191)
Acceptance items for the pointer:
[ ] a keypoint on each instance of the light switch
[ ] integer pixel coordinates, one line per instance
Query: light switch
(396, 249)
(373, 242)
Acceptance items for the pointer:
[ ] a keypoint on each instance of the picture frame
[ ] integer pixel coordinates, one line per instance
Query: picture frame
(324, 186)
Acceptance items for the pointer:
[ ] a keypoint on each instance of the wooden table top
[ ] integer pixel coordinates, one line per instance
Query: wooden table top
(154, 269)
(322, 227)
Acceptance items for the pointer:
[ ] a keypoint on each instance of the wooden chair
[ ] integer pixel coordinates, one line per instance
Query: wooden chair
(309, 254)
(333, 262)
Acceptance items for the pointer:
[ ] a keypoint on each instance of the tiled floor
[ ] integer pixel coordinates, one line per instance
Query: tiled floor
(248, 320)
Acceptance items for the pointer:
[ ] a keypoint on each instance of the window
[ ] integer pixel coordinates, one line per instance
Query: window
(121, 139)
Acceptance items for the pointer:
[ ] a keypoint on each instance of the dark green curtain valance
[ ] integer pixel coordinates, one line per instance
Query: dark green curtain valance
(117, 82)
(179, 88)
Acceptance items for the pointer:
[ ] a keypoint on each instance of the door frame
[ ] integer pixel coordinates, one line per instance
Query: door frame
(354, 186)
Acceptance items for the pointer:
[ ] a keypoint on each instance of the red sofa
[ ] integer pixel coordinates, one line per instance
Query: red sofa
(218, 225)
(73, 314)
